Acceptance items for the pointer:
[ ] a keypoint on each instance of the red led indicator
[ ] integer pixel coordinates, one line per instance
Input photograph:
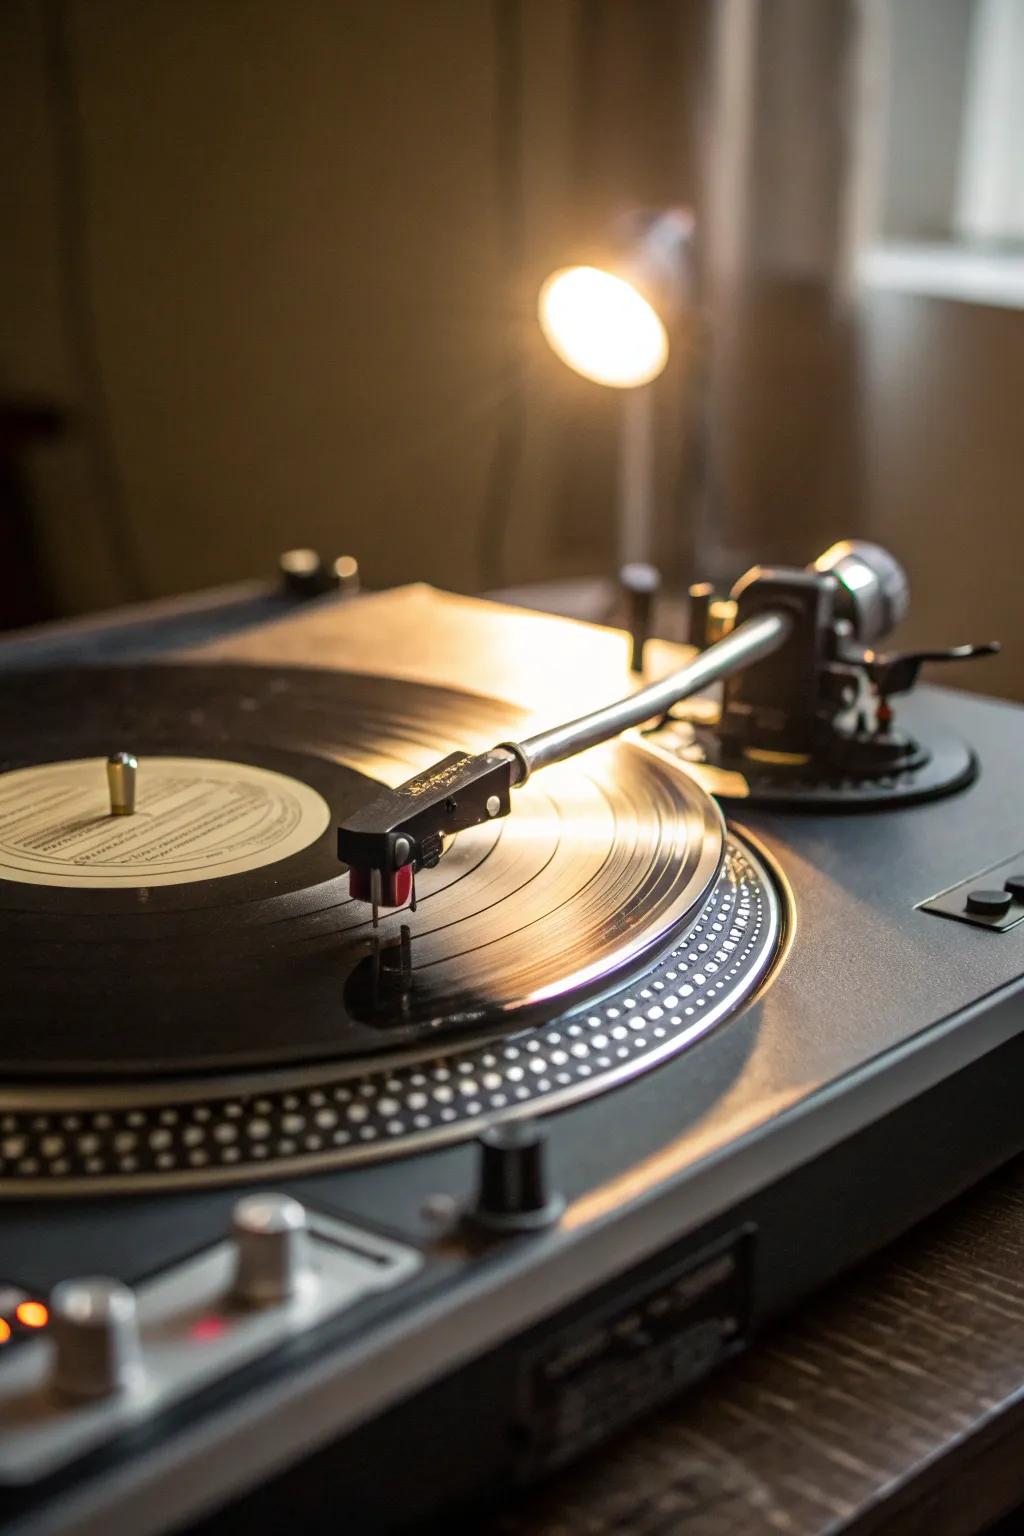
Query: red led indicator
(207, 1328)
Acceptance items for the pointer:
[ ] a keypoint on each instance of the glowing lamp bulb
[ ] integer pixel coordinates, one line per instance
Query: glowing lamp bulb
(602, 327)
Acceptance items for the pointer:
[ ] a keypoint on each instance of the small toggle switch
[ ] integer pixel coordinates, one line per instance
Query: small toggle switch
(95, 1331)
(513, 1194)
(273, 1259)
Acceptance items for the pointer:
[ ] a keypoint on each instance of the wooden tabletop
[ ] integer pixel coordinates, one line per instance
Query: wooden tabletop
(892, 1403)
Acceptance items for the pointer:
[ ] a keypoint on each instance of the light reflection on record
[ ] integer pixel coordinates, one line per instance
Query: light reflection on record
(592, 875)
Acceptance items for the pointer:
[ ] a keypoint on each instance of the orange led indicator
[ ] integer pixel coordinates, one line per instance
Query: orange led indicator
(32, 1314)
(5, 1330)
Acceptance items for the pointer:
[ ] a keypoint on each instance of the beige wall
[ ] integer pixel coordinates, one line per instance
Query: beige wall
(307, 317)
(301, 295)
(944, 417)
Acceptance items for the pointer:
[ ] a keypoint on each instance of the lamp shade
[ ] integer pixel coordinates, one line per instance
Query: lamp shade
(601, 326)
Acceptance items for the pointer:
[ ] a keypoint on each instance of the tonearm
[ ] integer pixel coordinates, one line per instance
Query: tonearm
(803, 684)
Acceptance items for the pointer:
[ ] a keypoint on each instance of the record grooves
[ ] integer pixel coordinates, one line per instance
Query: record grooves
(89, 1137)
(272, 977)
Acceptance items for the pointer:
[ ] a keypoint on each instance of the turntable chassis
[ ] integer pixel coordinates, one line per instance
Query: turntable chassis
(840, 1106)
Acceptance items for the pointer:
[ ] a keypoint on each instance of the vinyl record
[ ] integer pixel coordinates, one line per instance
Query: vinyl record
(213, 928)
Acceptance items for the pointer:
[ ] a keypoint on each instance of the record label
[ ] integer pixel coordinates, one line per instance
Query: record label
(195, 818)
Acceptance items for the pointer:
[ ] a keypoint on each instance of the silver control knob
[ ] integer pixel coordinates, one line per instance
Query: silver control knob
(272, 1252)
(95, 1331)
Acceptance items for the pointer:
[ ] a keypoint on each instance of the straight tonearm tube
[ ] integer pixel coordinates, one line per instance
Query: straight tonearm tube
(403, 830)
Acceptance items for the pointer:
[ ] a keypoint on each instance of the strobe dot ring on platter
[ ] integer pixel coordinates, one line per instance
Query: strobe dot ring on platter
(86, 1139)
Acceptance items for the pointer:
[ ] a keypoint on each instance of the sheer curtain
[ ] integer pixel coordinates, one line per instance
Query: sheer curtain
(990, 194)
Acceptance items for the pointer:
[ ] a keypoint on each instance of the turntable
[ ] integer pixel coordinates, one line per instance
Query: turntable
(408, 1074)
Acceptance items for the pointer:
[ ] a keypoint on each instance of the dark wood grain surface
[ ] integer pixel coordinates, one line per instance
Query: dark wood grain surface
(893, 1402)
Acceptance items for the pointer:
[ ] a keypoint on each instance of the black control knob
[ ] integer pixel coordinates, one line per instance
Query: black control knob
(639, 583)
(305, 574)
(701, 596)
(513, 1193)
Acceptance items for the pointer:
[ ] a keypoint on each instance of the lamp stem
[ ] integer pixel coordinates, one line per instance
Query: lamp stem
(636, 476)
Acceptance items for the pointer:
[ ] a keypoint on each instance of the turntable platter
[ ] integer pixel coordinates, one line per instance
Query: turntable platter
(214, 928)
